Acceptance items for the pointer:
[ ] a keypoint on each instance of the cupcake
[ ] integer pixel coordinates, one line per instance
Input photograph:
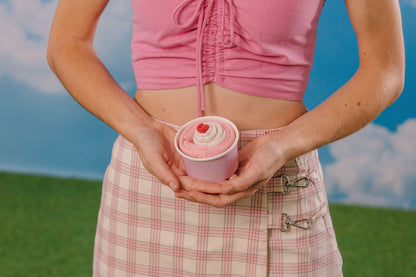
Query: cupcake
(208, 147)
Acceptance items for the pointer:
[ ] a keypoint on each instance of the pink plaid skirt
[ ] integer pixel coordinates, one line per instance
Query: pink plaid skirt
(284, 229)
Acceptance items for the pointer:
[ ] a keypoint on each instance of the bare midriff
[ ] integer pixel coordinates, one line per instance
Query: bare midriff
(248, 112)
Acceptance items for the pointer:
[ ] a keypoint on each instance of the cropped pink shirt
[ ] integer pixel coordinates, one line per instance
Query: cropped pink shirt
(257, 47)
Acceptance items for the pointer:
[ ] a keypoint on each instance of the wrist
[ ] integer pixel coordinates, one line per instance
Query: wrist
(289, 144)
(132, 128)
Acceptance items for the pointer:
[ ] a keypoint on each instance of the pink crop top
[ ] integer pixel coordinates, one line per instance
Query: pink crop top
(258, 47)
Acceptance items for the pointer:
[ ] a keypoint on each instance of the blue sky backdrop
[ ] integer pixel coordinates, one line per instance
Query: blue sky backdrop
(43, 130)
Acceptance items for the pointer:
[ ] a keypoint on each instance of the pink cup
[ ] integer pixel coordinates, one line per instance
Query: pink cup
(212, 169)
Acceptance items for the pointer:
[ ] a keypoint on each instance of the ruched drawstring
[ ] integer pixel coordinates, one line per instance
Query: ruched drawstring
(201, 15)
(230, 41)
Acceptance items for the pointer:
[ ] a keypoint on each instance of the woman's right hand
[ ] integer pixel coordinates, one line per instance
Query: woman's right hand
(157, 151)
(156, 146)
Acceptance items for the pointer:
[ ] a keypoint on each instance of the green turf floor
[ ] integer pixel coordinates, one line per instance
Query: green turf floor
(47, 229)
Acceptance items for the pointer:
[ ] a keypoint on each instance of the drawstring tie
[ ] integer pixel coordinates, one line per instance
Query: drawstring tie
(202, 14)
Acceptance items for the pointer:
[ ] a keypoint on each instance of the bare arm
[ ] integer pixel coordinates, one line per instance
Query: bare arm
(72, 57)
(376, 84)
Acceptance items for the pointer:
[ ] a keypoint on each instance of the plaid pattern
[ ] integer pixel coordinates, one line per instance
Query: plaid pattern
(143, 230)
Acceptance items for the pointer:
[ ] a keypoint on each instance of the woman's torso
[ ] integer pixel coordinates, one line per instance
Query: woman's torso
(248, 112)
(254, 58)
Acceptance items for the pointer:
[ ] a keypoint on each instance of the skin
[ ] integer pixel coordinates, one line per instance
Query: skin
(376, 84)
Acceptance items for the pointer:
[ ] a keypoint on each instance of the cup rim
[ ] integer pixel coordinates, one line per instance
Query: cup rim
(237, 137)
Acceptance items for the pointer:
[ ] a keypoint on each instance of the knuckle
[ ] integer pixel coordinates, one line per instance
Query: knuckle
(247, 186)
(221, 205)
(262, 173)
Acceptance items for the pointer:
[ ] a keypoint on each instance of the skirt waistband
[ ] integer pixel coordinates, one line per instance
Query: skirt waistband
(261, 131)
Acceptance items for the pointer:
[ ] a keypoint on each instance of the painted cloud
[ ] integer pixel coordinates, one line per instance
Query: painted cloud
(24, 29)
(375, 167)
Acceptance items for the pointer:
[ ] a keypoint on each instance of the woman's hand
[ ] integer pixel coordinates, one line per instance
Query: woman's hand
(259, 160)
(157, 151)
(159, 156)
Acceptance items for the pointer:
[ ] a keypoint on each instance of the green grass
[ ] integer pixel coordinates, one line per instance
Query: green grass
(376, 242)
(47, 229)
(47, 226)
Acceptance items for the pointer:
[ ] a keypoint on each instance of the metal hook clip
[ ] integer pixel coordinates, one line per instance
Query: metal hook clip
(286, 222)
(294, 184)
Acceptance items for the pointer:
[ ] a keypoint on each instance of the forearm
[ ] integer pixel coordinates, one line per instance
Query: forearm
(353, 106)
(85, 77)
(376, 84)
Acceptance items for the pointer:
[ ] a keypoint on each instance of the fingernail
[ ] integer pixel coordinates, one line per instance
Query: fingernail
(228, 190)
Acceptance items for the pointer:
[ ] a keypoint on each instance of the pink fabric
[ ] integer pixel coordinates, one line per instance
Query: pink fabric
(262, 48)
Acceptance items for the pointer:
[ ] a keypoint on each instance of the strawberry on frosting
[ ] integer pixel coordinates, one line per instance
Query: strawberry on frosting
(202, 128)
(213, 134)
(206, 139)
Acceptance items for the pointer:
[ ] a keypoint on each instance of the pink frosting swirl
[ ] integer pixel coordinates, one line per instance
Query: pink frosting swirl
(219, 137)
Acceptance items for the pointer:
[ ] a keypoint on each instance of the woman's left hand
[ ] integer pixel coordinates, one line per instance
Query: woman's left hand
(258, 161)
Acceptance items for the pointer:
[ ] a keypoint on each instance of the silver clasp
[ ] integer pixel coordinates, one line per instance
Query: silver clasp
(294, 184)
(304, 224)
